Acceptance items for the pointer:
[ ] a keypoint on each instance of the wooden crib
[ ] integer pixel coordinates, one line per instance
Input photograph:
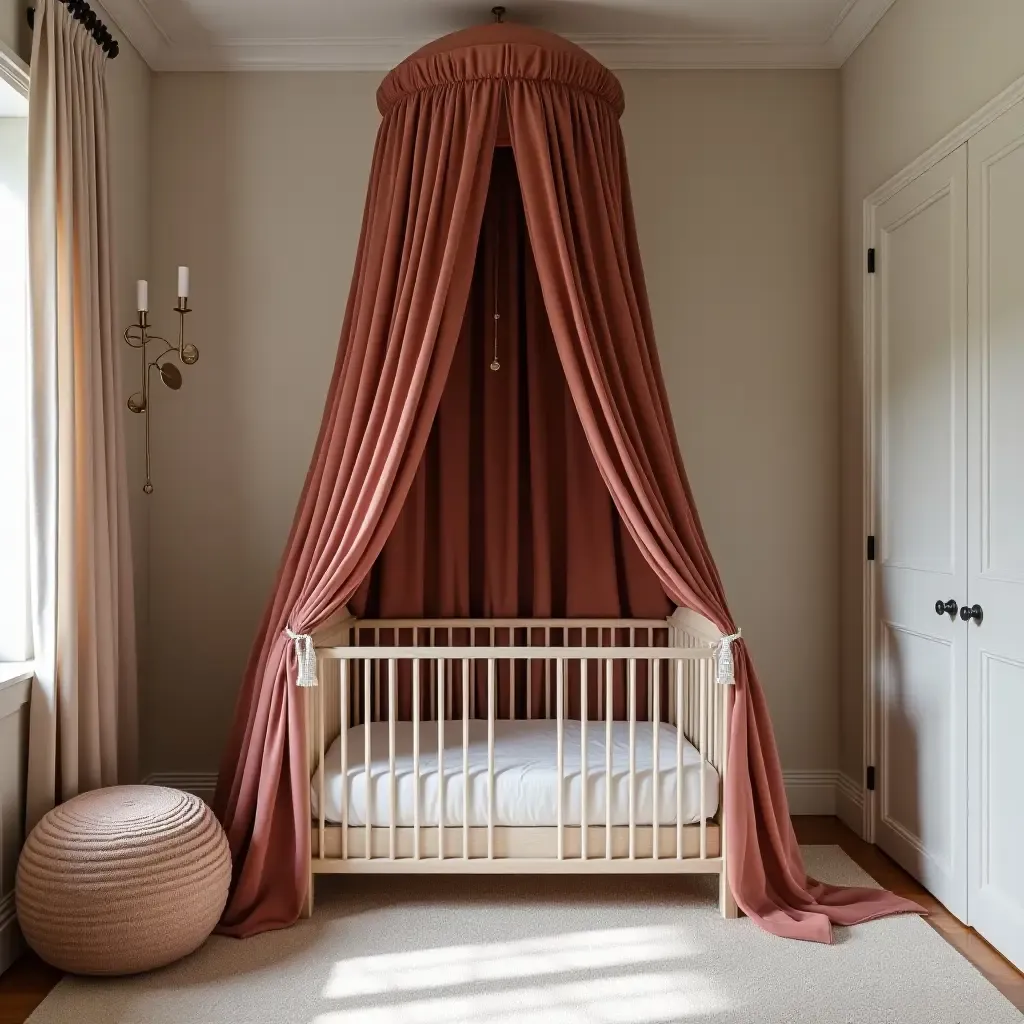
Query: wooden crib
(415, 727)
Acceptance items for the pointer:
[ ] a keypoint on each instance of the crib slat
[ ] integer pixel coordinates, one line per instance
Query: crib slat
(679, 763)
(367, 696)
(650, 686)
(583, 757)
(490, 757)
(440, 764)
(345, 696)
(392, 780)
(561, 758)
(632, 759)
(472, 689)
(716, 734)
(512, 681)
(319, 705)
(702, 728)
(449, 674)
(608, 759)
(669, 682)
(376, 681)
(723, 693)
(547, 674)
(529, 686)
(416, 759)
(490, 636)
(465, 759)
(656, 755)
(432, 640)
(694, 696)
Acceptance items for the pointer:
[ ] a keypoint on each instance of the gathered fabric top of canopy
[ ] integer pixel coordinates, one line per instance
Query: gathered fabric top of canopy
(505, 51)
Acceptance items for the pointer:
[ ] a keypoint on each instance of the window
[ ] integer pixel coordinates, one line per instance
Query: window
(14, 609)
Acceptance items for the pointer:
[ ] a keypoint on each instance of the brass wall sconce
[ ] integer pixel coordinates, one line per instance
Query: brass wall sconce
(138, 337)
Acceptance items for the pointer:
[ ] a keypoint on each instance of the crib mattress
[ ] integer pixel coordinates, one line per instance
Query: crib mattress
(525, 774)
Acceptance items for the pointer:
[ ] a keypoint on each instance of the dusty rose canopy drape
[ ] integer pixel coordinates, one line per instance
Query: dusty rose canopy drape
(444, 110)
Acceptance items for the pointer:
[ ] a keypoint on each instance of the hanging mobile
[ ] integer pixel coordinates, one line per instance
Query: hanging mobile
(495, 365)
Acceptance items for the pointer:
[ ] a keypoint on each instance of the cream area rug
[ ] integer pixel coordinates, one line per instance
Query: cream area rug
(489, 950)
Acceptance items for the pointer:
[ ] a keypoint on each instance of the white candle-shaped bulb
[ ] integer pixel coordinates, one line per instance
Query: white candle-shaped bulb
(143, 296)
(182, 282)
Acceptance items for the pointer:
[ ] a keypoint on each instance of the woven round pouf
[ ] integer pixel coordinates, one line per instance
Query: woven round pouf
(122, 880)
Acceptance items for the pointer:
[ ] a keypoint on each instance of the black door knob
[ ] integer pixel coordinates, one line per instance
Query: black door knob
(974, 612)
(949, 608)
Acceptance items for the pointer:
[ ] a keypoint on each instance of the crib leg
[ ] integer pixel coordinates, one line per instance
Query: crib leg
(307, 905)
(725, 898)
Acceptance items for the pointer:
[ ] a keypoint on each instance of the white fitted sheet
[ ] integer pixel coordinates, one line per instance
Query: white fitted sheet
(525, 773)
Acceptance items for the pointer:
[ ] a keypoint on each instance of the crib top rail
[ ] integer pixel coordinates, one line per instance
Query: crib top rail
(338, 638)
(508, 623)
(385, 652)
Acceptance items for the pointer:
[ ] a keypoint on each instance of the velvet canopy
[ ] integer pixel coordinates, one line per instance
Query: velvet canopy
(444, 111)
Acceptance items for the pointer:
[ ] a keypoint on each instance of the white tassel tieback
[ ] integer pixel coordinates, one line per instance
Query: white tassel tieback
(305, 656)
(724, 668)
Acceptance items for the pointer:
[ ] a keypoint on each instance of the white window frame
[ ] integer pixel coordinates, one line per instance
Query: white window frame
(14, 73)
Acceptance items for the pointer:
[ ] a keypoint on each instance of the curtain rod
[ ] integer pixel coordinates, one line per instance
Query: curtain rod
(81, 11)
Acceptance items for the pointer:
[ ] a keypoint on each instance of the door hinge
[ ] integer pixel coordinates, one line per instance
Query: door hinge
(871, 778)
(871, 261)
(871, 548)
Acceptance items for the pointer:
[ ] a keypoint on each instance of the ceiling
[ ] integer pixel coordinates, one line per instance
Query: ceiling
(178, 35)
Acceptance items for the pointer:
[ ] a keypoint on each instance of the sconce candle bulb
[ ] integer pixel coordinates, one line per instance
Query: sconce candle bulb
(138, 337)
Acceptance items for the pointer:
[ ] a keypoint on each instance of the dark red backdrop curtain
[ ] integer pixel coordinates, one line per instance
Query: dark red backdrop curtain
(442, 109)
(508, 511)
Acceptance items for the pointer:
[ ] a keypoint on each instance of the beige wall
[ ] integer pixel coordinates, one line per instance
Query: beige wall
(735, 179)
(129, 84)
(262, 197)
(14, 31)
(927, 66)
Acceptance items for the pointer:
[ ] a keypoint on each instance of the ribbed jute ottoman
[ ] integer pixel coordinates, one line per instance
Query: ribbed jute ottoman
(122, 880)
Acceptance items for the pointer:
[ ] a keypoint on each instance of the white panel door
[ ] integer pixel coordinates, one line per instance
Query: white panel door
(921, 517)
(996, 534)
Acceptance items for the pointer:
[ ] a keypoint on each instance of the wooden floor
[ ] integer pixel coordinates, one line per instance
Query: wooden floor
(832, 832)
(26, 984)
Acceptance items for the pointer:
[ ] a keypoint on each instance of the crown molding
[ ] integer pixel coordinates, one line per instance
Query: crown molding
(852, 26)
(141, 28)
(383, 54)
(162, 53)
(672, 52)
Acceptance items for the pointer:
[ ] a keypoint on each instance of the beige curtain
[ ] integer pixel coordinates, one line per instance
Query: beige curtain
(83, 731)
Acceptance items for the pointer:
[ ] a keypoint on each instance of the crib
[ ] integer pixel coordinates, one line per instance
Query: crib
(518, 746)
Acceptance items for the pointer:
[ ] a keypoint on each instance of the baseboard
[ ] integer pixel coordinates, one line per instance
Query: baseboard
(201, 784)
(11, 943)
(808, 792)
(850, 803)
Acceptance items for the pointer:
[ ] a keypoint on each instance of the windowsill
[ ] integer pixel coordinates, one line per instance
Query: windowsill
(14, 672)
